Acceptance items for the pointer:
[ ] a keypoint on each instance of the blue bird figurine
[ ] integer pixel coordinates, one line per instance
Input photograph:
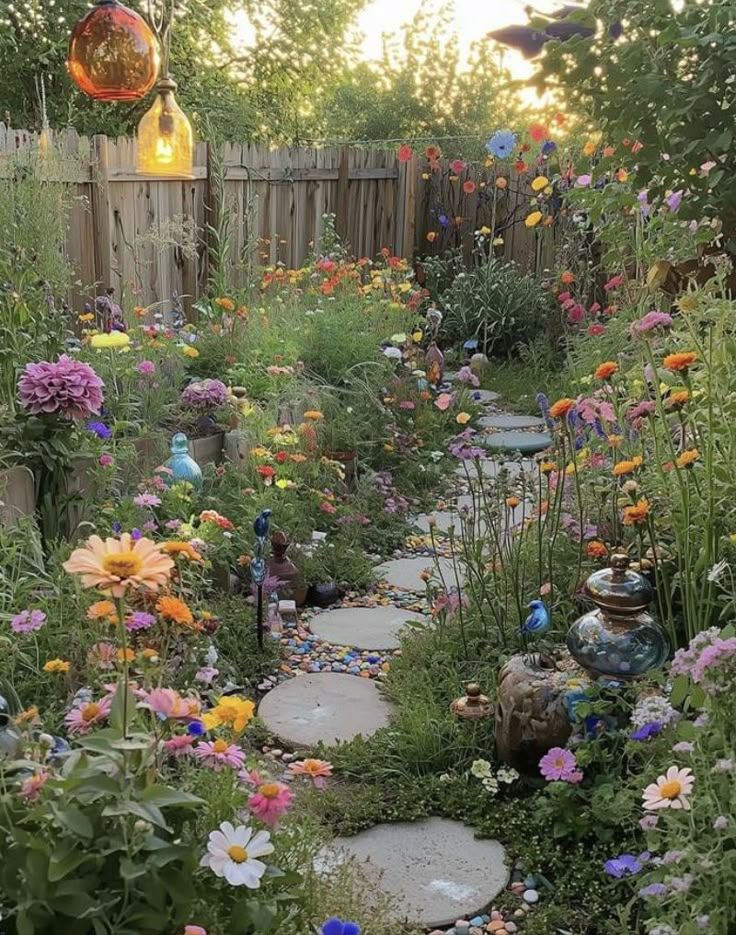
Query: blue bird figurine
(260, 526)
(538, 620)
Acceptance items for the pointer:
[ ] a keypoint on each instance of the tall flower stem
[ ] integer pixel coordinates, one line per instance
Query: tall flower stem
(120, 603)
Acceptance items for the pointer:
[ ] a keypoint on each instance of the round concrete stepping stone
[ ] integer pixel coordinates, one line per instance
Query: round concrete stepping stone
(362, 627)
(434, 870)
(524, 442)
(493, 468)
(511, 422)
(484, 396)
(444, 519)
(405, 573)
(324, 707)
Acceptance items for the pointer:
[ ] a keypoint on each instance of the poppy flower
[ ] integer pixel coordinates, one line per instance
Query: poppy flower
(469, 187)
(405, 152)
(457, 166)
(538, 132)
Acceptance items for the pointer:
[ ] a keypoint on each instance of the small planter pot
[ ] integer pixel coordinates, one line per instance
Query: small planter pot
(323, 595)
(207, 450)
(17, 494)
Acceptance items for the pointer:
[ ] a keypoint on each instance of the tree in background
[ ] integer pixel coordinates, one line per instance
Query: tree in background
(662, 74)
(419, 88)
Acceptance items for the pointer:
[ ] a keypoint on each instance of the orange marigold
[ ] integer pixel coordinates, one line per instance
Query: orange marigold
(100, 609)
(606, 370)
(680, 362)
(512, 502)
(567, 278)
(688, 458)
(171, 608)
(596, 549)
(677, 399)
(637, 514)
(547, 467)
(561, 408)
(182, 548)
(624, 467)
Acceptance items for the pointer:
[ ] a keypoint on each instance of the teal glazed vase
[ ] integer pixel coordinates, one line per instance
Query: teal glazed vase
(182, 465)
(620, 639)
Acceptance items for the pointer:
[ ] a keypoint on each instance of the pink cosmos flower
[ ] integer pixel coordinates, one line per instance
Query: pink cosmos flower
(82, 719)
(147, 500)
(27, 621)
(558, 764)
(219, 753)
(66, 386)
(167, 703)
(30, 788)
(179, 745)
(270, 801)
(443, 401)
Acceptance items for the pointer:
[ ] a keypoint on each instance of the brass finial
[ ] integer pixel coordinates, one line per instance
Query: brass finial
(473, 706)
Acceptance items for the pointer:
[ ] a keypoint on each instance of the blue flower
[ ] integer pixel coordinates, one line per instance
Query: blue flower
(136, 534)
(502, 144)
(196, 728)
(338, 927)
(471, 344)
(549, 146)
(444, 220)
(99, 429)
(117, 528)
(621, 866)
(653, 889)
(647, 730)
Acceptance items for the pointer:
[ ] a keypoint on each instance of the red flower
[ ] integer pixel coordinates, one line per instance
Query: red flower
(521, 166)
(281, 456)
(265, 470)
(327, 507)
(469, 187)
(405, 152)
(432, 153)
(457, 166)
(538, 132)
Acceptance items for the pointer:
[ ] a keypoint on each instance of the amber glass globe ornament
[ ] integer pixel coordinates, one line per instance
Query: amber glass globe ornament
(165, 140)
(113, 53)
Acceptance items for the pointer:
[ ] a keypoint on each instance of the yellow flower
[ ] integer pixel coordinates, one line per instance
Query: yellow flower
(259, 452)
(128, 656)
(56, 665)
(485, 231)
(498, 241)
(417, 337)
(688, 458)
(462, 418)
(688, 303)
(589, 148)
(615, 440)
(190, 351)
(232, 711)
(115, 339)
(533, 219)
(539, 183)
(314, 415)
(283, 484)
(87, 316)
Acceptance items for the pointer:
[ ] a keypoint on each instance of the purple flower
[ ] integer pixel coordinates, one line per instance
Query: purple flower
(139, 620)
(99, 429)
(444, 220)
(466, 375)
(650, 322)
(66, 386)
(147, 500)
(720, 823)
(648, 822)
(336, 926)
(150, 526)
(205, 395)
(621, 866)
(653, 889)
(643, 199)
(674, 200)
(646, 731)
(684, 746)
(136, 534)
(207, 674)
(672, 857)
(27, 621)
(560, 764)
(146, 367)
(645, 408)
(584, 181)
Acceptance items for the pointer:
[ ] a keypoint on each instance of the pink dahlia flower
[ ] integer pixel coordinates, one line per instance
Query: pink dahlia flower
(559, 764)
(270, 801)
(66, 386)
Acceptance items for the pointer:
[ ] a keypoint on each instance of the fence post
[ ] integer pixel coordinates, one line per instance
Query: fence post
(343, 181)
(101, 212)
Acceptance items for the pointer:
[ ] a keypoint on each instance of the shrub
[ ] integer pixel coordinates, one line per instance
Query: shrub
(495, 304)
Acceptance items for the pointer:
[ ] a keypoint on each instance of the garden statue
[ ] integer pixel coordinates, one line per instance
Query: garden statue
(619, 639)
(531, 713)
(258, 568)
(473, 706)
(435, 364)
(182, 465)
(281, 567)
(10, 739)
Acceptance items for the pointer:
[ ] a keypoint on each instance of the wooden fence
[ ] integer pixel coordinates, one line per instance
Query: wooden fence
(151, 235)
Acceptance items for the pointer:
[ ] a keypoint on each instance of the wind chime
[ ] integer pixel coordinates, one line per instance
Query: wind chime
(114, 56)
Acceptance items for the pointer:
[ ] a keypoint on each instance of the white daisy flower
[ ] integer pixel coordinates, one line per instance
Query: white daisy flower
(232, 852)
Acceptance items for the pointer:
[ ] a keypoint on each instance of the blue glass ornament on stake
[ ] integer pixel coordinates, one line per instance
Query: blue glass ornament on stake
(182, 465)
(258, 568)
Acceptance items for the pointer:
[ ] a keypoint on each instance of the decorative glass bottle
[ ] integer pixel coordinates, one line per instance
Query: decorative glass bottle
(165, 143)
(181, 464)
(113, 53)
(619, 639)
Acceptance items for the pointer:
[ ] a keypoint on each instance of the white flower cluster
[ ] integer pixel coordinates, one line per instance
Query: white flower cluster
(482, 769)
(654, 708)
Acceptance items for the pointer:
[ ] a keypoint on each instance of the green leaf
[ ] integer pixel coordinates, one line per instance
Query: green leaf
(61, 865)
(74, 820)
(164, 796)
(680, 690)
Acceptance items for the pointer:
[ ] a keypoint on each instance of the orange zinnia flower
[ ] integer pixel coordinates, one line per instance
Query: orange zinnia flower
(100, 609)
(225, 303)
(182, 548)
(688, 458)
(512, 502)
(635, 515)
(677, 399)
(596, 549)
(606, 370)
(171, 608)
(680, 362)
(624, 467)
(432, 152)
(317, 770)
(561, 408)
(114, 565)
(547, 467)
(567, 278)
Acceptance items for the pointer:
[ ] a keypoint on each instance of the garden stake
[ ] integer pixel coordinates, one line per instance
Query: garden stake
(258, 568)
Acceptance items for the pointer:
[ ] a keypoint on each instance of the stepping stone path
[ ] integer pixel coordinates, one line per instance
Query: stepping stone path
(511, 422)
(324, 708)
(484, 396)
(523, 442)
(492, 468)
(435, 870)
(405, 573)
(363, 627)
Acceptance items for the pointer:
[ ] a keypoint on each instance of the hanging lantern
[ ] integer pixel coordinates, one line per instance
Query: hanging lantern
(165, 141)
(113, 53)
